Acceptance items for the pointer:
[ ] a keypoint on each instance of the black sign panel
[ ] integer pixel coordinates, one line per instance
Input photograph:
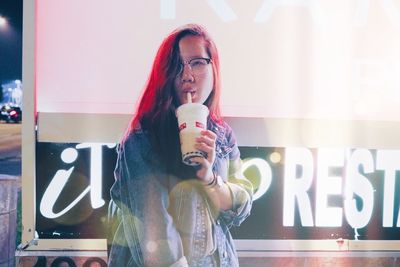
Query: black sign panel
(301, 193)
(267, 217)
(73, 184)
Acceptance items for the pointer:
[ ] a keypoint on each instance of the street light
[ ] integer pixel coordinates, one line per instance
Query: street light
(3, 21)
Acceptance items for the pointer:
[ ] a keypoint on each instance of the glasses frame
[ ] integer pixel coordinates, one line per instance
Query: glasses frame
(183, 63)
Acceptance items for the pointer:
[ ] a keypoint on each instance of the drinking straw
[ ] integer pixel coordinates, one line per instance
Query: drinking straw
(189, 97)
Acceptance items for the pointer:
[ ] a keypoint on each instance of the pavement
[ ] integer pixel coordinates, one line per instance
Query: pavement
(10, 165)
(10, 149)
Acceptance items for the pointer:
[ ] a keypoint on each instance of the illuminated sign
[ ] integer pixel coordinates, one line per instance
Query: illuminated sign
(72, 189)
(300, 193)
(61, 177)
(357, 187)
(267, 8)
(325, 193)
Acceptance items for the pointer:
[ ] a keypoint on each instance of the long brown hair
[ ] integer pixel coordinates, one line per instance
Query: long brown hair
(156, 110)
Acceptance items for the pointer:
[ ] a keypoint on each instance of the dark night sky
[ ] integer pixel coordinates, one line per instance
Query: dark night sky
(11, 40)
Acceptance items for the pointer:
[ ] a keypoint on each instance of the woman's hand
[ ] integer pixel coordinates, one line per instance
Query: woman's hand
(206, 143)
(219, 195)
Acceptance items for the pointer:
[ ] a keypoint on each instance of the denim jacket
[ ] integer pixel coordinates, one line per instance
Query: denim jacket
(164, 220)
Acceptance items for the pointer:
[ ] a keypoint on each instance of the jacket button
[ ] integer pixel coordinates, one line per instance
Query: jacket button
(224, 254)
(218, 222)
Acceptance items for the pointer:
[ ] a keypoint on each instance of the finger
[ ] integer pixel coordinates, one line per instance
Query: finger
(209, 133)
(206, 140)
(210, 152)
(207, 137)
(205, 148)
(200, 160)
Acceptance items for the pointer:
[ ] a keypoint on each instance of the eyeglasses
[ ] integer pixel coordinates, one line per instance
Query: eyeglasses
(196, 65)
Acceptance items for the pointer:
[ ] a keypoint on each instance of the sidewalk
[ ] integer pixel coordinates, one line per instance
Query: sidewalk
(9, 187)
(10, 179)
(10, 149)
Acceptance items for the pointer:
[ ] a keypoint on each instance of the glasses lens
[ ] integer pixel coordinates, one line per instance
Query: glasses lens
(198, 65)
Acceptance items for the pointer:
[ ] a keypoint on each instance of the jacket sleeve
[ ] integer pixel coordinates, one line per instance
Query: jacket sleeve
(241, 188)
(141, 194)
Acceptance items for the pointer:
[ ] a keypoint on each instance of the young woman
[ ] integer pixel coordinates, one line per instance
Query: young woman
(172, 214)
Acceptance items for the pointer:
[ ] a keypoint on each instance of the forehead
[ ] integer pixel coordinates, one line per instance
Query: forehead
(192, 46)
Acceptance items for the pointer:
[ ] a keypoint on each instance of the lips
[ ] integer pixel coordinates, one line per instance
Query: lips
(189, 90)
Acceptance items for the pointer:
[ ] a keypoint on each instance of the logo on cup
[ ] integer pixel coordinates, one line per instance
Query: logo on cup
(199, 125)
(182, 126)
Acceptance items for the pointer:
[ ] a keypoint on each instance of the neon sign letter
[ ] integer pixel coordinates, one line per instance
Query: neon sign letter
(297, 187)
(360, 185)
(265, 173)
(220, 7)
(328, 185)
(60, 179)
(268, 7)
(389, 162)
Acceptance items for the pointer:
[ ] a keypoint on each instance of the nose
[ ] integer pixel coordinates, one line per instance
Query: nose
(187, 75)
